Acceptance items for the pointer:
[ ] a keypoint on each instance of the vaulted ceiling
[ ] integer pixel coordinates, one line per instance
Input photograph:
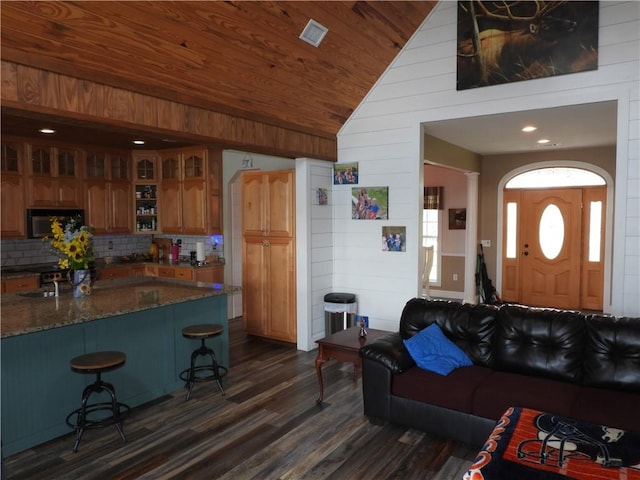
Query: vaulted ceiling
(241, 59)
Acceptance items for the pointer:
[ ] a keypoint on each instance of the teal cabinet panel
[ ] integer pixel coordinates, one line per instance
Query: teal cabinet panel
(39, 389)
(146, 338)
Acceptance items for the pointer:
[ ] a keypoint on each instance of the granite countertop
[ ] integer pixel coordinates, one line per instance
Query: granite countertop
(32, 270)
(24, 313)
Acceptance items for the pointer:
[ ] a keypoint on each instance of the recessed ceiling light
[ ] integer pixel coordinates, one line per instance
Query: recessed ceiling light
(138, 142)
(313, 33)
(529, 128)
(544, 140)
(47, 131)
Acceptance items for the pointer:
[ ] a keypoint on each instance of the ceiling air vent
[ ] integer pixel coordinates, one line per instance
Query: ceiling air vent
(313, 33)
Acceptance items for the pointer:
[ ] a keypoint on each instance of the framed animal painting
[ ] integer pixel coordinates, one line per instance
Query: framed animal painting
(510, 41)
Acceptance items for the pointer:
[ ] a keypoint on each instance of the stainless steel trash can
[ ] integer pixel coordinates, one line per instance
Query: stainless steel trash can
(339, 312)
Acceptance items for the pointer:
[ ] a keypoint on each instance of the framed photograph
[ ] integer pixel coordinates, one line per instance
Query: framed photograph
(345, 174)
(370, 203)
(502, 42)
(457, 218)
(363, 319)
(394, 239)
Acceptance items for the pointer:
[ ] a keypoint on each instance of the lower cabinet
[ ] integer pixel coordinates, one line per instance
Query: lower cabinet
(111, 273)
(20, 284)
(269, 309)
(214, 274)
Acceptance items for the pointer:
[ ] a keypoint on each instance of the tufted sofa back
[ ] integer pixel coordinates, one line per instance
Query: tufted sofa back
(612, 352)
(540, 342)
(470, 327)
(593, 350)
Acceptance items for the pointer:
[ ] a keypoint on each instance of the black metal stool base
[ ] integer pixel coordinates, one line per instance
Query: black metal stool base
(83, 421)
(191, 375)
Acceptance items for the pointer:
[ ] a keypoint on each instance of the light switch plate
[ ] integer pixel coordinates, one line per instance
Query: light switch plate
(485, 243)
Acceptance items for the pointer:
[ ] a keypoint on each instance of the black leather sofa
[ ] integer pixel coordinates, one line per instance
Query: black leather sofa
(557, 361)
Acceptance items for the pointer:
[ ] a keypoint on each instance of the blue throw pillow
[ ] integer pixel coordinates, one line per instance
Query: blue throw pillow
(433, 351)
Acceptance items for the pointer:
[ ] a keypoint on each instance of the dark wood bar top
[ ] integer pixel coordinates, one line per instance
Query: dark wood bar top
(28, 312)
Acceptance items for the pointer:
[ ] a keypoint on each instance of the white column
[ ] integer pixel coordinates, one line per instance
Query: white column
(471, 239)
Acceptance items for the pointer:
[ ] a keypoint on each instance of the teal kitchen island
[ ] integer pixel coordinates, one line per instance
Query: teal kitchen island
(140, 316)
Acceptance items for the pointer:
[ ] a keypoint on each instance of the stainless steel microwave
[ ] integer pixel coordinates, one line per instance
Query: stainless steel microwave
(39, 220)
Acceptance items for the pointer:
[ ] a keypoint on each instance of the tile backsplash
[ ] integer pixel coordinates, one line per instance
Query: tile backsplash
(33, 251)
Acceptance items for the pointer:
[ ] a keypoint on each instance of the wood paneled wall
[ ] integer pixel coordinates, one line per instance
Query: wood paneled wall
(44, 92)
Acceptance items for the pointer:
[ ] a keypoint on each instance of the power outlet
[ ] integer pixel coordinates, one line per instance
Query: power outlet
(485, 243)
(455, 277)
(110, 244)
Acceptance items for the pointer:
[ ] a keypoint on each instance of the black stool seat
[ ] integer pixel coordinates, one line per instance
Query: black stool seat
(86, 416)
(212, 371)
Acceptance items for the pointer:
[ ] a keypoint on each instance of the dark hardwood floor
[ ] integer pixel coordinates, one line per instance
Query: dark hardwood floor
(268, 426)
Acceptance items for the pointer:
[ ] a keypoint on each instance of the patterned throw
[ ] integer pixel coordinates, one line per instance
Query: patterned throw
(531, 445)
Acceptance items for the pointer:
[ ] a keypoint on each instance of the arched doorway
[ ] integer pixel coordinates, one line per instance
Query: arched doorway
(553, 237)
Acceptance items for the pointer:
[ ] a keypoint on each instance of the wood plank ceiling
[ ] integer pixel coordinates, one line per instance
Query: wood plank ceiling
(241, 59)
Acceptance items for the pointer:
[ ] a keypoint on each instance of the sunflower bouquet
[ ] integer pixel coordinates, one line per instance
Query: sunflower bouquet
(73, 244)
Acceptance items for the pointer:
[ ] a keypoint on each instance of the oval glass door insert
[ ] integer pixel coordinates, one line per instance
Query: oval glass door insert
(551, 231)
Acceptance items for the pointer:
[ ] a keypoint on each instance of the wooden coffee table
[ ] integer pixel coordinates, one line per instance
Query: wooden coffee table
(344, 346)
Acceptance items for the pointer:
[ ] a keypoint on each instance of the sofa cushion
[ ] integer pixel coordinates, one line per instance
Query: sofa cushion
(469, 326)
(501, 390)
(612, 353)
(541, 342)
(432, 351)
(608, 407)
(454, 391)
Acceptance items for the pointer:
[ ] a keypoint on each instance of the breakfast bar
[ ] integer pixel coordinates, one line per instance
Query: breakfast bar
(141, 316)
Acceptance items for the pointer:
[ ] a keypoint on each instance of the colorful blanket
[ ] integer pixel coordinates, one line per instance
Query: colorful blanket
(531, 445)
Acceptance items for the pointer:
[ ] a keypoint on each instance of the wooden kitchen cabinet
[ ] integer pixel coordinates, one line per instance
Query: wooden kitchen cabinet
(108, 192)
(268, 263)
(151, 270)
(53, 177)
(269, 300)
(146, 192)
(12, 190)
(20, 284)
(166, 272)
(209, 274)
(188, 178)
(268, 200)
(137, 271)
(112, 273)
(190, 191)
(170, 196)
(183, 273)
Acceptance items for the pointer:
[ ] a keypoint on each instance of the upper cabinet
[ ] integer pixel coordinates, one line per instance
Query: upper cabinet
(268, 203)
(54, 178)
(145, 172)
(108, 191)
(171, 191)
(190, 191)
(12, 189)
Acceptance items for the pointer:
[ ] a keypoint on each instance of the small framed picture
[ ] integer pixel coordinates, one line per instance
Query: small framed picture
(362, 319)
(345, 174)
(457, 218)
(394, 239)
(322, 197)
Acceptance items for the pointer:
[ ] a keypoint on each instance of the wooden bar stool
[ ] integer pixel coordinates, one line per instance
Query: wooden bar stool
(86, 416)
(214, 371)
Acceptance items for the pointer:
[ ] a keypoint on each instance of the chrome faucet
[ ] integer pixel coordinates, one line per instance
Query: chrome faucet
(56, 289)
